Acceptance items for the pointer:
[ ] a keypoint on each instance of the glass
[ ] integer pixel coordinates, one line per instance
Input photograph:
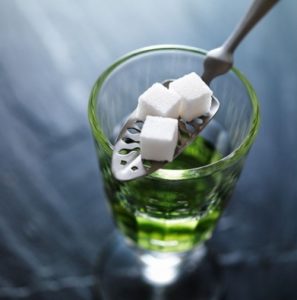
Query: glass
(166, 217)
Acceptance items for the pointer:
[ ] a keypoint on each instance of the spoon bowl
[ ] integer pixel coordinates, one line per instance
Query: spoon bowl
(127, 163)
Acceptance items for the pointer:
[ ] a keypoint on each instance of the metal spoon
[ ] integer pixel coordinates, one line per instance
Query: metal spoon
(127, 163)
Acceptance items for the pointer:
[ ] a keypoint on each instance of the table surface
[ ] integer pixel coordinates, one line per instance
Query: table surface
(53, 216)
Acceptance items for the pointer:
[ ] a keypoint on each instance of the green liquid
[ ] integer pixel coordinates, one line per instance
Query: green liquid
(169, 215)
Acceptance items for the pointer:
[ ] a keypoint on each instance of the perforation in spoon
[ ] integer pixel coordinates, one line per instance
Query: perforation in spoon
(139, 124)
(199, 121)
(132, 136)
(125, 151)
(123, 162)
(133, 130)
(128, 140)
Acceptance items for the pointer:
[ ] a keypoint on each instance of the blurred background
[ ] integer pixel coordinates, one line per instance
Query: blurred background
(53, 218)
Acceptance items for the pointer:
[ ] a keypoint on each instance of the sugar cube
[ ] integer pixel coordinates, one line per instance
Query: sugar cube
(158, 138)
(158, 101)
(196, 96)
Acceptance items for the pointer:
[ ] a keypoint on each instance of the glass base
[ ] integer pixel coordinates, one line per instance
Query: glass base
(123, 272)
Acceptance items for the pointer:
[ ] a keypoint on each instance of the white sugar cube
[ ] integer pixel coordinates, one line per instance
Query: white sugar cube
(158, 138)
(158, 101)
(196, 96)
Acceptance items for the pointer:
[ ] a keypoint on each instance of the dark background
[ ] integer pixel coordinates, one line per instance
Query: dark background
(53, 218)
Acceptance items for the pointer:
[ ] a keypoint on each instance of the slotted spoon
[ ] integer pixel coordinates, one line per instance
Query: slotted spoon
(127, 163)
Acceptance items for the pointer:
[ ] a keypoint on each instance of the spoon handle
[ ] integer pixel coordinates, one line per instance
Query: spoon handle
(257, 10)
(220, 60)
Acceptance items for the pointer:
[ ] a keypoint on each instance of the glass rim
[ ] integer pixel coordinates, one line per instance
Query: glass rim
(171, 174)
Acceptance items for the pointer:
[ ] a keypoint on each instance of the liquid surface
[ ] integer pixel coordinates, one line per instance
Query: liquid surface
(200, 153)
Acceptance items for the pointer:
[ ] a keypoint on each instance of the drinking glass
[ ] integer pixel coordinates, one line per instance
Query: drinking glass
(165, 218)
